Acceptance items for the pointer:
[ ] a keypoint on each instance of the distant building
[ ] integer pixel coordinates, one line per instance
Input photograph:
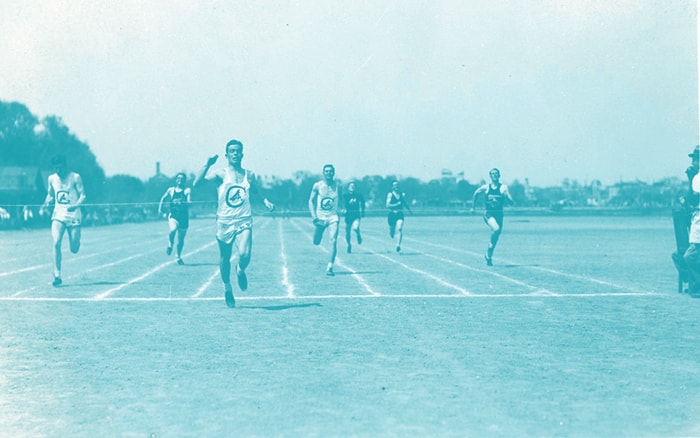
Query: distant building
(21, 186)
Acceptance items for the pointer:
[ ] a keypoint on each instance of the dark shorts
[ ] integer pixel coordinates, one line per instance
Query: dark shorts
(394, 217)
(351, 217)
(183, 220)
(498, 215)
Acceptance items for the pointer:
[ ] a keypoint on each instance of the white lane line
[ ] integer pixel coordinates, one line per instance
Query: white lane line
(344, 297)
(27, 269)
(442, 281)
(338, 261)
(285, 268)
(105, 294)
(82, 256)
(537, 289)
(206, 284)
(551, 271)
(585, 278)
(107, 265)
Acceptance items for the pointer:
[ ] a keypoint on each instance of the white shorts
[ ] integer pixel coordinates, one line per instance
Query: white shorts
(228, 229)
(69, 218)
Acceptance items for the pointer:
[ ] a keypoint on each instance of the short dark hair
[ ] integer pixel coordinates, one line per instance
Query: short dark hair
(328, 165)
(58, 159)
(234, 142)
(181, 173)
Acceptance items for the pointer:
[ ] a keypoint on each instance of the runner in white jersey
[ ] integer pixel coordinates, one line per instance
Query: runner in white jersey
(323, 205)
(234, 218)
(66, 192)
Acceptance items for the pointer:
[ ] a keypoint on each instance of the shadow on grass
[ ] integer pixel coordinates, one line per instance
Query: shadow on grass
(281, 307)
(92, 283)
(200, 264)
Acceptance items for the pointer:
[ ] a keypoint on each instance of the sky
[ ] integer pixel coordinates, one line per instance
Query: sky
(542, 89)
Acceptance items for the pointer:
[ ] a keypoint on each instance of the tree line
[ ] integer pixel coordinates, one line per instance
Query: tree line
(26, 140)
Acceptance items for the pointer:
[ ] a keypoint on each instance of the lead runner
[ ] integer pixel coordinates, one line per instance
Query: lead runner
(234, 214)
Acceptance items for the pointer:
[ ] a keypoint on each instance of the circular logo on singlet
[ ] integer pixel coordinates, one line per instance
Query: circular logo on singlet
(327, 204)
(235, 196)
(62, 197)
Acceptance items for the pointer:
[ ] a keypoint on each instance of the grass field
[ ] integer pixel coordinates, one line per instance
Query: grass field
(578, 330)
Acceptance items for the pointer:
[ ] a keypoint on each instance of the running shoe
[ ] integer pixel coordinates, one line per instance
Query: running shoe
(398, 248)
(56, 281)
(230, 301)
(180, 262)
(349, 249)
(169, 250)
(330, 273)
(489, 261)
(242, 278)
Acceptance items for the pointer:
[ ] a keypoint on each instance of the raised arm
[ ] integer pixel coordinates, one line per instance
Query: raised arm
(203, 172)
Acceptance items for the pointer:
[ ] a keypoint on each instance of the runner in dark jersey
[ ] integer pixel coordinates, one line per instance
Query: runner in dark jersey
(395, 202)
(354, 204)
(496, 196)
(178, 215)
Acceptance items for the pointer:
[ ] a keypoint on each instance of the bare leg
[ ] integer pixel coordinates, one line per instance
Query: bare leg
(495, 234)
(225, 250)
(57, 230)
(181, 233)
(74, 234)
(244, 247)
(333, 236)
(356, 229)
(172, 227)
(399, 234)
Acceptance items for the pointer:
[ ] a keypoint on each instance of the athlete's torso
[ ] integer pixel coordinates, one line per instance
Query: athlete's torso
(353, 201)
(65, 194)
(178, 202)
(327, 200)
(495, 198)
(234, 195)
(396, 201)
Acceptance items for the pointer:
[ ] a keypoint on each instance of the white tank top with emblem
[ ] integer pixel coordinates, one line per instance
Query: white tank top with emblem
(234, 196)
(327, 201)
(65, 194)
